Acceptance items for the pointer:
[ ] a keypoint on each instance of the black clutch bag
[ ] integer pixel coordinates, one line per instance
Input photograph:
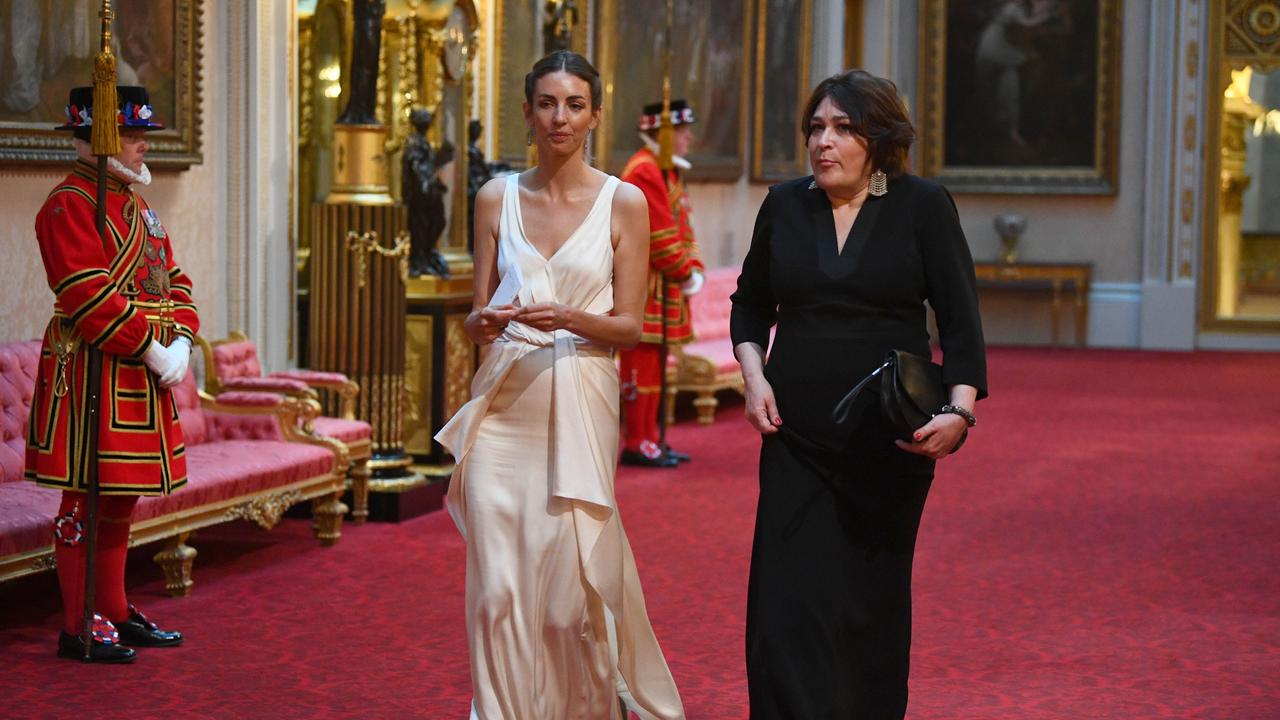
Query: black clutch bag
(911, 392)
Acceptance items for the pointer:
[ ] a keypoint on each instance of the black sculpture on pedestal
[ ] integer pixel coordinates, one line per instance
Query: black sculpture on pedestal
(479, 172)
(362, 86)
(423, 194)
(559, 19)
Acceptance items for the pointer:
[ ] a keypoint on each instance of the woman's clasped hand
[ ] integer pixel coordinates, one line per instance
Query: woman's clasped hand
(486, 324)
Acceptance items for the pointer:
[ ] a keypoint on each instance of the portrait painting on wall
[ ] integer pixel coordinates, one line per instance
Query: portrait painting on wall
(47, 47)
(782, 87)
(521, 46)
(1020, 95)
(709, 70)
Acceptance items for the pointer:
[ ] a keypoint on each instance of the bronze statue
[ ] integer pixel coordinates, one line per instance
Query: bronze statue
(362, 86)
(559, 19)
(479, 172)
(423, 193)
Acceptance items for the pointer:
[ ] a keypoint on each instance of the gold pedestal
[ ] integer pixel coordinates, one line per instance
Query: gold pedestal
(440, 361)
(360, 168)
(356, 319)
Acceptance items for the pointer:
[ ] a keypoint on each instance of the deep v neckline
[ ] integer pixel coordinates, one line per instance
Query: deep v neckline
(834, 261)
(595, 205)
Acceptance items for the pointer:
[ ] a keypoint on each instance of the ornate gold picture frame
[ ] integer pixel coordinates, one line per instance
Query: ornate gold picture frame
(782, 69)
(1020, 97)
(158, 45)
(710, 69)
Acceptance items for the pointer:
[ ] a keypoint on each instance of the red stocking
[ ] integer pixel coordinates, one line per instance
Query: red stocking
(70, 533)
(71, 527)
(115, 513)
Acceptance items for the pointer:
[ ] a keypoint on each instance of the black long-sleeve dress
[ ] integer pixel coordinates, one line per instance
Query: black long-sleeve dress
(829, 600)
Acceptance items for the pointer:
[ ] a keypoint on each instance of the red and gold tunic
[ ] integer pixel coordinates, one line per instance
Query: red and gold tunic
(673, 252)
(118, 295)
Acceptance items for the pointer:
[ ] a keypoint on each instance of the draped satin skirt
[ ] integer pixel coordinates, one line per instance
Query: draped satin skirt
(553, 599)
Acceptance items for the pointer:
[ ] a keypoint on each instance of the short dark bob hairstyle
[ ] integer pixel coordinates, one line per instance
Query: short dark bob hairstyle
(875, 111)
(570, 62)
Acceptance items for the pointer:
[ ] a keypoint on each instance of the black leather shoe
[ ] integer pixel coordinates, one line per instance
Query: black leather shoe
(70, 646)
(138, 631)
(639, 459)
(675, 454)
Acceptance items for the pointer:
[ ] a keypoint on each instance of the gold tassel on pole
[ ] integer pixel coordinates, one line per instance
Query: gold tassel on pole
(666, 129)
(106, 133)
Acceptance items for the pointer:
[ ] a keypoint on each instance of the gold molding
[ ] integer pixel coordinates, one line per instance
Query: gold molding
(459, 364)
(799, 164)
(418, 368)
(264, 511)
(1099, 178)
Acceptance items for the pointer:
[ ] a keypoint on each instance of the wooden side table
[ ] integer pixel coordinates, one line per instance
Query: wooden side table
(1038, 275)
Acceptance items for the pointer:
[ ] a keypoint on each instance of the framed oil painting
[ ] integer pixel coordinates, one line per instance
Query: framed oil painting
(709, 69)
(1020, 96)
(783, 30)
(519, 45)
(47, 47)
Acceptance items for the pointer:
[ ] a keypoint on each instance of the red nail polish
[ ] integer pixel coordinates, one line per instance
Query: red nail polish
(919, 435)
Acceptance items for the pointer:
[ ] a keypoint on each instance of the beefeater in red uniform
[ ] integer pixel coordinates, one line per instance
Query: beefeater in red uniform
(675, 271)
(127, 297)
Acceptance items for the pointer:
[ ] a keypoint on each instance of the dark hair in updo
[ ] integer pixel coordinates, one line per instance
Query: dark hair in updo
(875, 111)
(570, 62)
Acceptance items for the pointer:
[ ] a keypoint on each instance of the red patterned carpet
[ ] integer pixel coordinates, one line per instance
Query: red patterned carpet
(1106, 546)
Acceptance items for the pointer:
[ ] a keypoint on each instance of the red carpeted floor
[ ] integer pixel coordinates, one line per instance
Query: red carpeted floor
(1106, 546)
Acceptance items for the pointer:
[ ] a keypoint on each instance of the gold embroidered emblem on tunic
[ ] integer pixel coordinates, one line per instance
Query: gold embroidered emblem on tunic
(157, 280)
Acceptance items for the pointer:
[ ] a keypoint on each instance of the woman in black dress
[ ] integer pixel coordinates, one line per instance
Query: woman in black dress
(842, 263)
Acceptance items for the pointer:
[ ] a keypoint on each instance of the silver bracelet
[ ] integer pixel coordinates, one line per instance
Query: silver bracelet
(969, 419)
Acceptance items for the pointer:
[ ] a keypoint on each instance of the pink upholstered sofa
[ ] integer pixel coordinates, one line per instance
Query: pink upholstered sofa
(707, 365)
(232, 365)
(247, 457)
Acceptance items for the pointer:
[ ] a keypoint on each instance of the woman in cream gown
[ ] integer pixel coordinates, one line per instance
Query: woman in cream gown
(556, 620)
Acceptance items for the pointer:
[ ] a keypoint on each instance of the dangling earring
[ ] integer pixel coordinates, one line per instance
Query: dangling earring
(528, 139)
(879, 184)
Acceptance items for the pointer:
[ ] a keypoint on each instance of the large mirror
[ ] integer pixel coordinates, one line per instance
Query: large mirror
(1240, 276)
(453, 115)
(1249, 246)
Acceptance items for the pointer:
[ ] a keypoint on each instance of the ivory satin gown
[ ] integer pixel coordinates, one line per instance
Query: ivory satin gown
(556, 620)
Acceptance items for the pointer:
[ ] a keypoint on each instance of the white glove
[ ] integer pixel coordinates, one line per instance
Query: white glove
(693, 285)
(180, 347)
(168, 363)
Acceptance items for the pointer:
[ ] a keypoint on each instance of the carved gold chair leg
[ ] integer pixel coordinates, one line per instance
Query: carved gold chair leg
(360, 491)
(706, 404)
(669, 405)
(326, 513)
(175, 560)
